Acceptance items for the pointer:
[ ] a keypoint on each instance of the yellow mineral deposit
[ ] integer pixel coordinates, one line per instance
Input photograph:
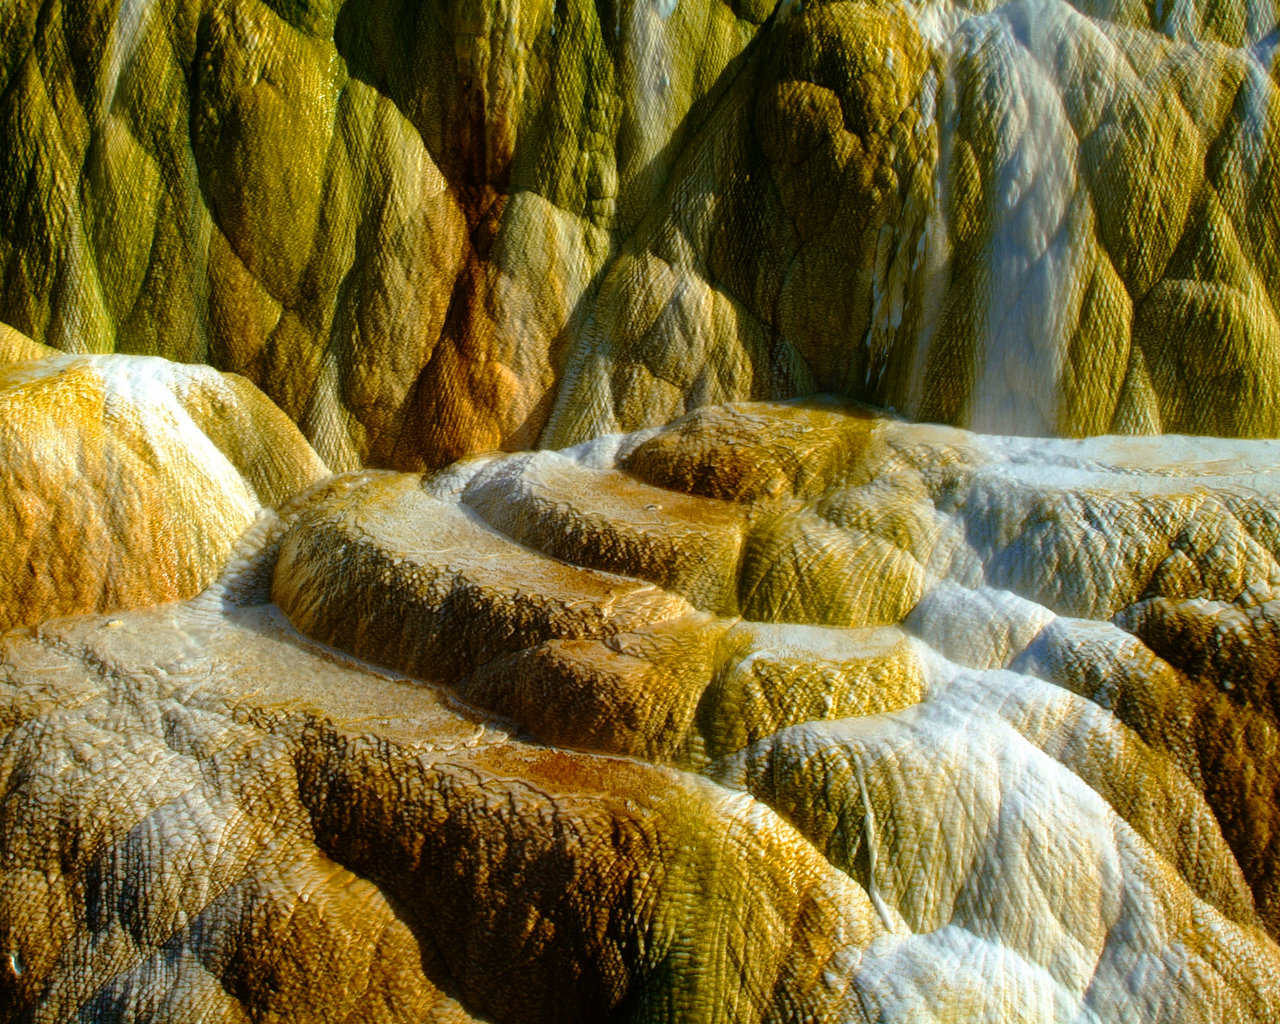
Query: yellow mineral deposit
(805, 543)
(128, 479)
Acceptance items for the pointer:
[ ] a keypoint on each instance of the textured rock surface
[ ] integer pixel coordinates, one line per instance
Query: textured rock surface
(996, 552)
(16, 347)
(803, 714)
(126, 480)
(208, 818)
(778, 712)
(430, 231)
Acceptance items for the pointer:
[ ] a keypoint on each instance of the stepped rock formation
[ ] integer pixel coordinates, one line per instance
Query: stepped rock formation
(920, 725)
(427, 231)
(128, 479)
(245, 827)
(644, 661)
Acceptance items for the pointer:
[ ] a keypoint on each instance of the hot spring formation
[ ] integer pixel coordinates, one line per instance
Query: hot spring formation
(644, 510)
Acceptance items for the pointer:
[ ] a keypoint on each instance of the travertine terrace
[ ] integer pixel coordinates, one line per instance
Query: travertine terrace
(639, 510)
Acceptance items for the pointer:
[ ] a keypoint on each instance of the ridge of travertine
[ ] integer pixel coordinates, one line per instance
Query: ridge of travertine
(509, 223)
(127, 480)
(932, 724)
(209, 817)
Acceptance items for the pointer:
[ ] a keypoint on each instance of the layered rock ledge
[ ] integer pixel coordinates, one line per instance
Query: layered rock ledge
(126, 480)
(780, 712)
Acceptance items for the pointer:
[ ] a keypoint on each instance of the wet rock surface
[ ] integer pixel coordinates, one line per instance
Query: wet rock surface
(127, 480)
(983, 778)
(429, 232)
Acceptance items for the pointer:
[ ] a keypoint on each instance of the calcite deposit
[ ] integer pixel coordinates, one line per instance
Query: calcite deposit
(427, 231)
(206, 817)
(912, 730)
(640, 510)
(128, 479)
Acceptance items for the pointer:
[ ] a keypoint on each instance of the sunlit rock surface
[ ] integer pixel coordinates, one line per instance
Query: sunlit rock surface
(996, 553)
(206, 817)
(16, 347)
(921, 725)
(728, 709)
(126, 480)
(427, 231)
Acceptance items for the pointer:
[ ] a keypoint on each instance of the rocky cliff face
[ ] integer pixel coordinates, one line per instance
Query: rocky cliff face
(425, 231)
(743, 595)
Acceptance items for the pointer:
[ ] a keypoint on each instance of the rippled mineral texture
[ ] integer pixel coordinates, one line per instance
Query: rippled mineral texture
(748, 594)
(128, 479)
(782, 712)
(430, 229)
